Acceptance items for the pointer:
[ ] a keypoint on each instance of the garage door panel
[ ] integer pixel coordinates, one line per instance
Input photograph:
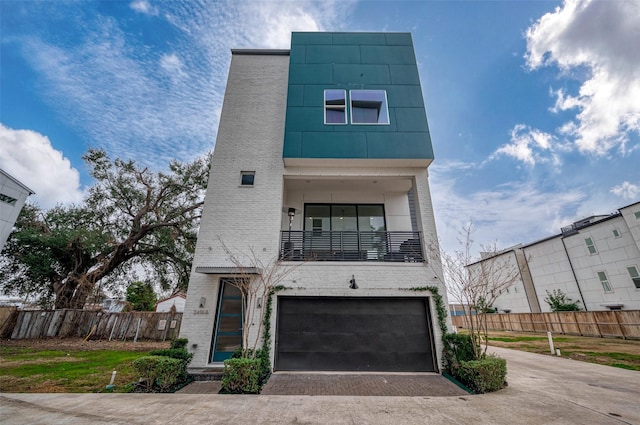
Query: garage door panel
(330, 322)
(376, 334)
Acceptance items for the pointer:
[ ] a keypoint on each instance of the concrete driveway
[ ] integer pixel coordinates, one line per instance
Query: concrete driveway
(542, 390)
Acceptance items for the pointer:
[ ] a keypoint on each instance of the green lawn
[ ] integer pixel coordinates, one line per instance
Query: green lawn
(45, 370)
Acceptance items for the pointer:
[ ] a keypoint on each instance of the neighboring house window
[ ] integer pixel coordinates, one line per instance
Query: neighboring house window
(247, 178)
(637, 214)
(369, 107)
(591, 246)
(335, 107)
(635, 276)
(8, 199)
(605, 282)
(616, 233)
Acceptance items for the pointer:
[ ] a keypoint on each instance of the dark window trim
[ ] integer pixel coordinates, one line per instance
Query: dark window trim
(331, 205)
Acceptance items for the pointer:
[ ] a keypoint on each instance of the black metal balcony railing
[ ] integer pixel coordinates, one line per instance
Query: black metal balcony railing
(316, 245)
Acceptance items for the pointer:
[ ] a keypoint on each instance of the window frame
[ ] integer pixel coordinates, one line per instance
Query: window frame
(591, 245)
(385, 105)
(635, 279)
(336, 107)
(606, 283)
(8, 199)
(252, 174)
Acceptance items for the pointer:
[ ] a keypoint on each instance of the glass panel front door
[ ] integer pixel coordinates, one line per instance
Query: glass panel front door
(228, 335)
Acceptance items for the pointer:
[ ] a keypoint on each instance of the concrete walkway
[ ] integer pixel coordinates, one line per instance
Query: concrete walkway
(542, 390)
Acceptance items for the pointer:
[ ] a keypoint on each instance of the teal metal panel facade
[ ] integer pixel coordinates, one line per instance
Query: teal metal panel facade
(355, 61)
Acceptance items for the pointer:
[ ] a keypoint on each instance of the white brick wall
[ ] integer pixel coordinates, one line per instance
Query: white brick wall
(250, 138)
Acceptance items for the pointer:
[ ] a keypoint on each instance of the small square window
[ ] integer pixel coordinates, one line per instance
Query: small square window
(369, 107)
(335, 107)
(591, 246)
(616, 233)
(605, 282)
(637, 214)
(247, 178)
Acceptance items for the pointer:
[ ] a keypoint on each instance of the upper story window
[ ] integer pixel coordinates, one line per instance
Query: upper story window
(8, 199)
(247, 178)
(616, 233)
(591, 246)
(604, 281)
(335, 107)
(369, 107)
(637, 214)
(635, 276)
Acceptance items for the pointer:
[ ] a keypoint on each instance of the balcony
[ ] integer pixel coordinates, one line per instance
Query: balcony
(316, 245)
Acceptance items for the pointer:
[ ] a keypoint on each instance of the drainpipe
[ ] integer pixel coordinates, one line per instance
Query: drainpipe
(574, 273)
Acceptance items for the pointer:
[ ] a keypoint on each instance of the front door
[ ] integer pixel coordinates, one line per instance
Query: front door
(228, 332)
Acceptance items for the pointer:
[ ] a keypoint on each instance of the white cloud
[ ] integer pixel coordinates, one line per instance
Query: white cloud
(173, 66)
(602, 38)
(29, 157)
(511, 213)
(627, 190)
(530, 146)
(143, 6)
(115, 91)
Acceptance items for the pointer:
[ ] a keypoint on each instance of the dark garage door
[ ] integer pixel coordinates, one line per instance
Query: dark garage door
(356, 334)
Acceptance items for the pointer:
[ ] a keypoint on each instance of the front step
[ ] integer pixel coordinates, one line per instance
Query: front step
(206, 374)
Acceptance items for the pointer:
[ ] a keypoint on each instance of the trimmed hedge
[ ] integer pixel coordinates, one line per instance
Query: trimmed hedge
(484, 375)
(241, 376)
(174, 353)
(160, 373)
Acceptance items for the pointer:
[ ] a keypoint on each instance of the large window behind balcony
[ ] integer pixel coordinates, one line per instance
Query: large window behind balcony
(344, 217)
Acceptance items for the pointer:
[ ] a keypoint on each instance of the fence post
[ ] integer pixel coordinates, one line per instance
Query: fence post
(113, 328)
(137, 329)
(615, 315)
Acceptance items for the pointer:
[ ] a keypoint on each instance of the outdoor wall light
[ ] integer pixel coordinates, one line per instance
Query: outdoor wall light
(203, 302)
(259, 303)
(352, 282)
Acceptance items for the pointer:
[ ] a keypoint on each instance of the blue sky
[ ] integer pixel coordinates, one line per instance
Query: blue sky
(533, 106)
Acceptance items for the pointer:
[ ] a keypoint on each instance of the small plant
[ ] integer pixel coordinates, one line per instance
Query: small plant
(558, 301)
(484, 375)
(159, 373)
(458, 348)
(241, 376)
(164, 370)
(179, 343)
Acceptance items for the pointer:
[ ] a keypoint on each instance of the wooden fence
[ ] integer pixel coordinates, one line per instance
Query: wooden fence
(93, 324)
(616, 324)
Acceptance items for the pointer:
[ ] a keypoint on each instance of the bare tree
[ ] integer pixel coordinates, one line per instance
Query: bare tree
(256, 279)
(476, 284)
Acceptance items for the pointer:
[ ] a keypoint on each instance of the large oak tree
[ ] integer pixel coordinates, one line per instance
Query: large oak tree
(133, 221)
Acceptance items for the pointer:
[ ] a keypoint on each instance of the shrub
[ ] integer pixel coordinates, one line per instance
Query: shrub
(262, 355)
(174, 353)
(484, 375)
(458, 348)
(179, 343)
(558, 301)
(241, 376)
(159, 372)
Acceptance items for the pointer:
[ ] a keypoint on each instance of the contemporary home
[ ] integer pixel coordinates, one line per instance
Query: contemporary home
(13, 195)
(594, 261)
(321, 168)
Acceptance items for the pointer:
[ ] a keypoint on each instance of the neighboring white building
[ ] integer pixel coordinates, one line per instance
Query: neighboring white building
(595, 261)
(321, 164)
(13, 195)
(176, 300)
